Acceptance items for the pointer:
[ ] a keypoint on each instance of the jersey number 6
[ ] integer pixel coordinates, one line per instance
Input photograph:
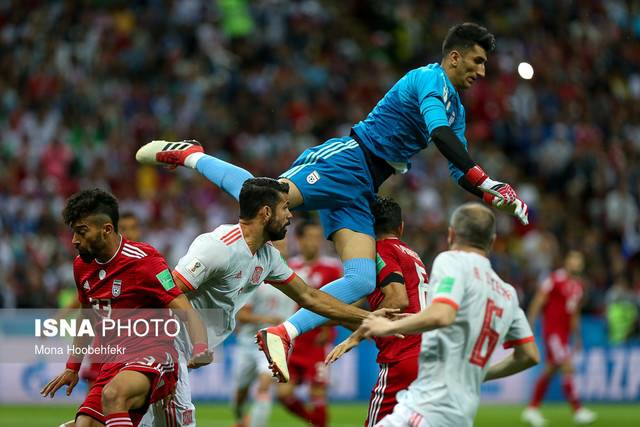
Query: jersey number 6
(486, 334)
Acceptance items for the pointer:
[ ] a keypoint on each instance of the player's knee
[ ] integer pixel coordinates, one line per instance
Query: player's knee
(112, 397)
(362, 277)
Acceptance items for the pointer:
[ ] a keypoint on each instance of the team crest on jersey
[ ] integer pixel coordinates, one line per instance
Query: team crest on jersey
(255, 277)
(187, 417)
(116, 288)
(85, 285)
(313, 177)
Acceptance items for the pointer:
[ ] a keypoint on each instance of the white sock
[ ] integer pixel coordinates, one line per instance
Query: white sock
(291, 330)
(192, 159)
(260, 412)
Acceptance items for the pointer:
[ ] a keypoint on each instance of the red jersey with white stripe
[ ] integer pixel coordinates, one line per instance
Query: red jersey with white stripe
(136, 277)
(223, 274)
(316, 274)
(563, 298)
(394, 256)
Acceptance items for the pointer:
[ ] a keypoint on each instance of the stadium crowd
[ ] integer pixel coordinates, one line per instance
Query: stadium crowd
(83, 84)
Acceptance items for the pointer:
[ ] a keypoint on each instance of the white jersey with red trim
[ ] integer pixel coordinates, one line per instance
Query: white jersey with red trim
(223, 274)
(455, 359)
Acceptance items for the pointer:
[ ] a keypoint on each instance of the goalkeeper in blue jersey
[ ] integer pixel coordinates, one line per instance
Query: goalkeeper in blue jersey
(340, 177)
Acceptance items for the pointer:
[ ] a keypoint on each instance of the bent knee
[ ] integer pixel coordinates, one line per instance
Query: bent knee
(112, 396)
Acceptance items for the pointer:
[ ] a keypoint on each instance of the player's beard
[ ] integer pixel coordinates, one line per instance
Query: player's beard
(89, 254)
(274, 232)
(86, 255)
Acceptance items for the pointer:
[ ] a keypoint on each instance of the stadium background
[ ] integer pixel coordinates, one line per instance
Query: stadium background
(84, 83)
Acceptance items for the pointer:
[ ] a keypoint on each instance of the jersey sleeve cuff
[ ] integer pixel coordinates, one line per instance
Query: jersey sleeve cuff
(513, 343)
(448, 301)
(393, 277)
(185, 281)
(282, 282)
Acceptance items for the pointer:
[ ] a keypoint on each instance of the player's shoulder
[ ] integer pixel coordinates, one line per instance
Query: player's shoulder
(388, 245)
(557, 277)
(428, 73)
(449, 256)
(221, 240)
(225, 233)
(138, 250)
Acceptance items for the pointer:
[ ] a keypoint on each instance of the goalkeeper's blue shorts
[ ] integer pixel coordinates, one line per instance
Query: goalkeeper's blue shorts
(335, 180)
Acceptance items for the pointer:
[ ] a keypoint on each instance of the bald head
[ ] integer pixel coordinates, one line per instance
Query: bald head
(473, 225)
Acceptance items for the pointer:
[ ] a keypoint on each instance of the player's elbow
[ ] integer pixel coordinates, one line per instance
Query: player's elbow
(306, 298)
(527, 354)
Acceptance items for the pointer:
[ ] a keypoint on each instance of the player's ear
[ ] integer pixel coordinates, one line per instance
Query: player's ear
(107, 228)
(454, 58)
(451, 237)
(267, 212)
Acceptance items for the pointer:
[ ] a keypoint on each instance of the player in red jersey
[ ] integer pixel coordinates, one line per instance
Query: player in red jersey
(559, 298)
(401, 282)
(306, 361)
(129, 227)
(113, 274)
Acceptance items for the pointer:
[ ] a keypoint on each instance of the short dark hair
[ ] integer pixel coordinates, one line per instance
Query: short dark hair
(474, 225)
(465, 36)
(91, 202)
(259, 192)
(387, 215)
(302, 226)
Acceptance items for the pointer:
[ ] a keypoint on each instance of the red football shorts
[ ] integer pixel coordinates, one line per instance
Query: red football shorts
(314, 372)
(393, 377)
(557, 348)
(163, 376)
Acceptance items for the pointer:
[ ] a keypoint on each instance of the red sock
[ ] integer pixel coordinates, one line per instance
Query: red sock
(319, 413)
(296, 407)
(541, 388)
(118, 419)
(569, 392)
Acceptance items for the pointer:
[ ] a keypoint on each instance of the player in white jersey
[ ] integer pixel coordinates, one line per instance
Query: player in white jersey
(223, 268)
(266, 307)
(469, 311)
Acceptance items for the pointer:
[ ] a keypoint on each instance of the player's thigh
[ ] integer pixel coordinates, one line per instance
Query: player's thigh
(557, 351)
(295, 196)
(129, 386)
(85, 421)
(353, 244)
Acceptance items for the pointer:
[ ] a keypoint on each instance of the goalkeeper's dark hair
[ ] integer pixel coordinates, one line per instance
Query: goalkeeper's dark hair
(387, 215)
(465, 36)
(86, 203)
(474, 225)
(259, 192)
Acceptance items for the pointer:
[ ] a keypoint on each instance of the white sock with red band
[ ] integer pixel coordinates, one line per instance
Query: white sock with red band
(119, 419)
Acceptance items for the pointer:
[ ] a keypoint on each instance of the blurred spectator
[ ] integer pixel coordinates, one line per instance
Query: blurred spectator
(622, 311)
(83, 84)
